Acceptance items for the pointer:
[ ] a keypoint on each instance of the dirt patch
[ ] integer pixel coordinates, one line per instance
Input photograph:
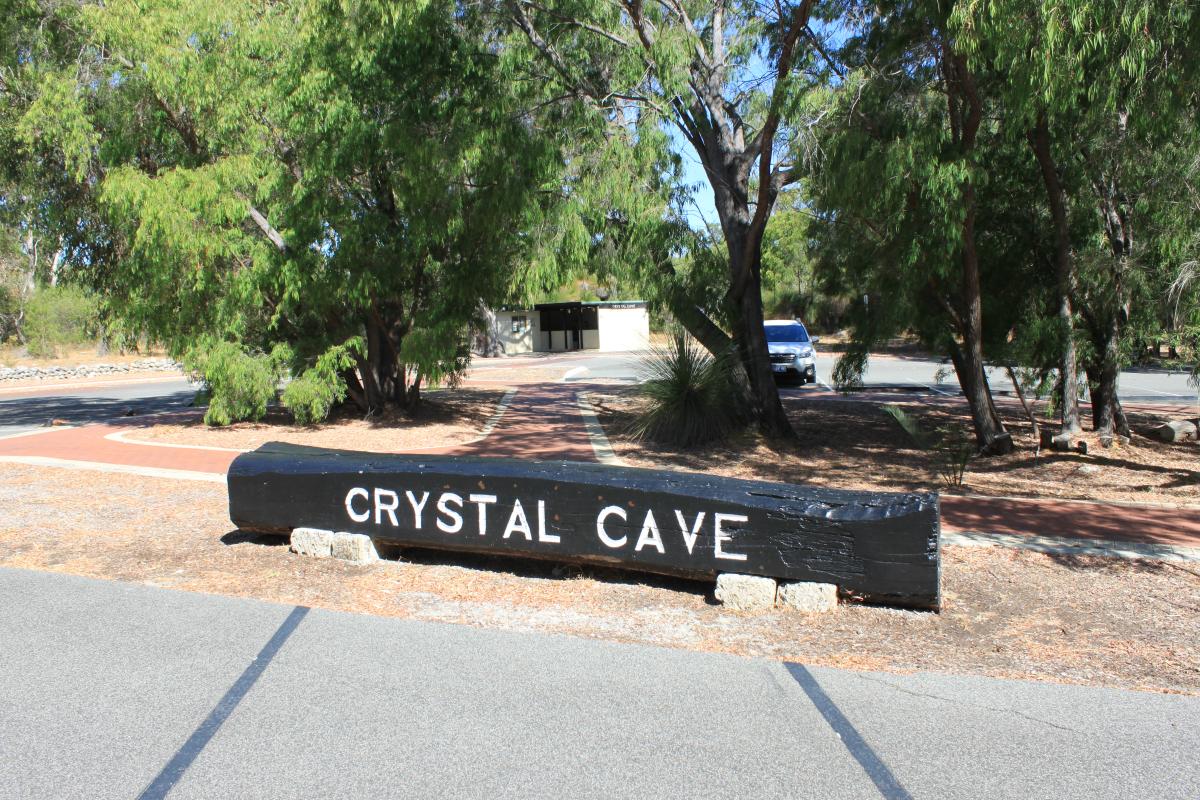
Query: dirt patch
(855, 444)
(445, 418)
(1007, 613)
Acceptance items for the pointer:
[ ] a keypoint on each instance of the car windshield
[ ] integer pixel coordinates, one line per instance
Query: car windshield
(786, 333)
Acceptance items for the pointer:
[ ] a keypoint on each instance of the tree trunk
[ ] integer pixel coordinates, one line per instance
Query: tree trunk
(1108, 418)
(1118, 229)
(693, 318)
(1012, 376)
(990, 433)
(964, 108)
(380, 370)
(1039, 140)
(751, 338)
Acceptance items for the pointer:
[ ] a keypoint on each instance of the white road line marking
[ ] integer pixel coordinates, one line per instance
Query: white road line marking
(99, 466)
(497, 415)
(937, 390)
(1126, 387)
(1069, 546)
(595, 431)
(571, 373)
(825, 386)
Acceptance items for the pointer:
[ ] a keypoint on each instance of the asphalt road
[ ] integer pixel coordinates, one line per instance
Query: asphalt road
(117, 690)
(30, 408)
(1135, 386)
(27, 409)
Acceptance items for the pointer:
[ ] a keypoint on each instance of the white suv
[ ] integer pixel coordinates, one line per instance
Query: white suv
(791, 348)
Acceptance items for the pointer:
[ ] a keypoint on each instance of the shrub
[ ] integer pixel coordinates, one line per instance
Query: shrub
(952, 445)
(58, 317)
(314, 393)
(694, 398)
(239, 384)
(9, 312)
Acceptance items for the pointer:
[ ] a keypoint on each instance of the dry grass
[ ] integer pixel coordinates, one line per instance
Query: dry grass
(445, 418)
(14, 356)
(854, 444)
(1007, 613)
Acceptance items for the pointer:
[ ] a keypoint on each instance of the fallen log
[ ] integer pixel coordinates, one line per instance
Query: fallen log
(1177, 431)
(877, 547)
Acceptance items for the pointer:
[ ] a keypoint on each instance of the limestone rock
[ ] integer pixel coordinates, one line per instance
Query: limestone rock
(312, 542)
(355, 547)
(745, 592)
(808, 596)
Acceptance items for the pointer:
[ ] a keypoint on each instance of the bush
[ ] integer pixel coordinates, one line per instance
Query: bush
(238, 384)
(58, 317)
(310, 399)
(694, 398)
(9, 313)
(313, 394)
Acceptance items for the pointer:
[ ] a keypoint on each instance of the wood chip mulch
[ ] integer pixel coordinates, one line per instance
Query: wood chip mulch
(1007, 613)
(848, 444)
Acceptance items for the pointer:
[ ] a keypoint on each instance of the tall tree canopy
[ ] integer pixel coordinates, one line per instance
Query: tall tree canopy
(725, 77)
(984, 166)
(349, 187)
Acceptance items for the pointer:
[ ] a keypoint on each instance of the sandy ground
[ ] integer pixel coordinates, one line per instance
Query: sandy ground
(851, 444)
(1007, 613)
(11, 356)
(445, 418)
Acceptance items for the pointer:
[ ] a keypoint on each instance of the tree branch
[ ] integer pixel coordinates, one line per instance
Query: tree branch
(766, 189)
(268, 230)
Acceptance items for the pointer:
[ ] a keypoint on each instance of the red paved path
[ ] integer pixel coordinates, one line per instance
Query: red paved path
(543, 422)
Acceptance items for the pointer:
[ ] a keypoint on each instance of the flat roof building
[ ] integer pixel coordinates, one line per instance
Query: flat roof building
(607, 326)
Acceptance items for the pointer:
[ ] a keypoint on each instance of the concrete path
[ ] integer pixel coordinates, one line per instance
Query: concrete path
(110, 690)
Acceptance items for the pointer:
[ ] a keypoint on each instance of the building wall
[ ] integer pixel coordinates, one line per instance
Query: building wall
(516, 341)
(624, 328)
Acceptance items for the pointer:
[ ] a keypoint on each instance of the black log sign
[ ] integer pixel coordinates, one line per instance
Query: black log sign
(878, 547)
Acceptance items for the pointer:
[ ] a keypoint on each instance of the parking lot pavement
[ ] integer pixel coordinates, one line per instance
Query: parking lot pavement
(111, 690)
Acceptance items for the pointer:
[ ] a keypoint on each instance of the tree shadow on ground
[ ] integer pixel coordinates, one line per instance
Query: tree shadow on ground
(83, 409)
(851, 443)
(1108, 564)
(239, 536)
(472, 406)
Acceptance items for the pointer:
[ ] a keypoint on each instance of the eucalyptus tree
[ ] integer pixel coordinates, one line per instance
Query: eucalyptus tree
(725, 77)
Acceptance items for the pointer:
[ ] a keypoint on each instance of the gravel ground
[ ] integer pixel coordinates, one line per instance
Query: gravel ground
(849, 444)
(1007, 613)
